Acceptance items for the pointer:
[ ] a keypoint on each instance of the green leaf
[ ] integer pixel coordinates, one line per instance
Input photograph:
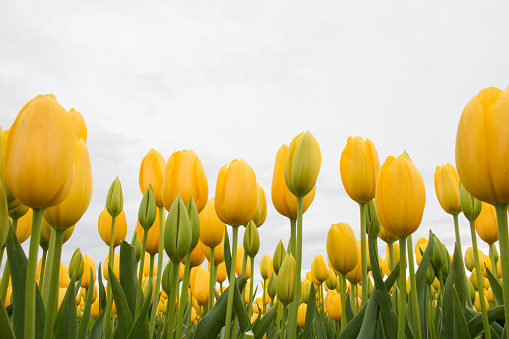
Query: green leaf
(66, 321)
(319, 324)
(137, 327)
(495, 286)
(460, 324)
(349, 311)
(310, 312)
(353, 328)
(127, 274)
(97, 330)
(5, 325)
(371, 317)
(125, 320)
(238, 306)
(393, 277)
(18, 267)
(261, 326)
(102, 291)
(82, 329)
(422, 287)
(475, 325)
(448, 301)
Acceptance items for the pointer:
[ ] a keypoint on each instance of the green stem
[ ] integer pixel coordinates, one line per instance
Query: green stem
(212, 280)
(431, 316)
(232, 281)
(480, 281)
(53, 286)
(503, 237)
(283, 323)
(159, 269)
(294, 306)
(392, 260)
(31, 284)
(413, 292)
(293, 236)
(343, 300)
(458, 243)
(49, 268)
(183, 293)
(402, 288)
(494, 268)
(263, 298)
(364, 258)
(251, 286)
(352, 298)
(140, 273)
(109, 294)
(43, 267)
(172, 298)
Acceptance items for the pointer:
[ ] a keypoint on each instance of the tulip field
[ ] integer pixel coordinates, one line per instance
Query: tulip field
(206, 287)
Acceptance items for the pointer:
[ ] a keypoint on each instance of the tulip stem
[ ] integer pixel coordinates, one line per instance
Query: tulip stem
(250, 309)
(140, 273)
(159, 269)
(392, 260)
(458, 243)
(283, 323)
(109, 294)
(494, 268)
(503, 237)
(49, 268)
(174, 278)
(402, 288)
(431, 313)
(43, 267)
(232, 281)
(294, 306)
(480, 281)
(352, 298)
(54, 284)
(264, 305)
(293, 236)
(343, 301)
(32, 273)
(364, 259)
(413, 292)
(183, 293)
(212, 280)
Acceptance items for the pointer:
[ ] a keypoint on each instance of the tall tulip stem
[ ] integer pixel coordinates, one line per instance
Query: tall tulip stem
(159, 269)
(504, 254)
(392, 260)
(458, 243)
(212, 280)
(413, 292)
(294, 306)
(54, 283)
(174, 278)
(364, 258)
(232, 281)
(293, 236)
(494, 268)
(343, 300)
(140, 273)
(109, 294)
(183, 293)
(43, 267)
(251, 286)
(480, 281)
(283, 323)
(49, 267)
(402, 288)
(31, 274)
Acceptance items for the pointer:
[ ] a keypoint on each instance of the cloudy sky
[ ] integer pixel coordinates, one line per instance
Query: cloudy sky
(234, 80)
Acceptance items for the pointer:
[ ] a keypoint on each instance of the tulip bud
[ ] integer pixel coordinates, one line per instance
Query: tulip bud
(430, 275)
(148, 209)
(194, 217)
(319, 269)
(469, 258)
(374, 224)
(285, 280)
(201, 286)
(178, 231)
(302, 164)
(4, 217)
(251, 239)
(331, 281)
(261, 206)
(305, 288)
(87, 281)
(278, 257)
(166, 279)
(16, 209)
(486, 224)
(265, 266)
(342, 248)
(137, 248)
(272, 285)
(437, 259)
(470, 205)
(115, 199)
(77, 264)
(301, 315)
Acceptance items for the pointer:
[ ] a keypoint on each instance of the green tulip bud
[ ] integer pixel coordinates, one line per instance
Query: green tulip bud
(115, 199)
(43, 242)
(4, 217)
(77, 264)
(446, 268)
(305, 289)
(192, 210)
(437, 260)
(430, 275)
(165, 279)
(251, 239)
(285, 280)
(272, 286)
(374, 224)
(279, 255)
(471, 290)
(16, 209)
(331, 281)
(178, 231)
(148, 209)
(137, 248)
(471, 206)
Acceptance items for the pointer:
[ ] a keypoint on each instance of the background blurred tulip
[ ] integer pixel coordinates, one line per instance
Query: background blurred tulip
(151, 173)
(24, 227)
(261, 206)
(115, 267)
(240, 256)
(447, 188)
(218, 252)
(342, 248)
(104, 226)
(265, 267)
(201, 286)
(211, 227)
(486, 224)
(301, 317)
(86, 280)
(197, 257)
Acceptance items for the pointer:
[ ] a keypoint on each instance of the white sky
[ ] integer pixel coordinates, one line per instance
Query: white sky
(237, 80)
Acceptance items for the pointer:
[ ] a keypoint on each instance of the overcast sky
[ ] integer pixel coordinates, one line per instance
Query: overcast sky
(233, 80)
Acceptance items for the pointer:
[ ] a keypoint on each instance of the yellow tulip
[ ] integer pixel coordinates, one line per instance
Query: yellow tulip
(116, 265)
(197, 256)
(477, 302)
(89, 264)
(240, 258)
(486, 224)
(236, 196)
(211, 227)
(266, 267)
(24, 228)
(282, 199)
(94, 291)
(400, 196)
(261, 206)
(69, 212)
(469, 258)
(359, 167)
(333, 305)
(151, 173)
(319, 269)
(104, 225)
(153, 235)
(482, 146)
(80, 128)
(221, 273)
(46, 231)
(64, 280)
(305, 288)
(39, 154)
(184, 174)
(387, 236)
(94, 310)
(61, 295)
(301, 315)
(355, 275)
(218, 251)
(420, 245)
(146, 266)
(447, 188)
(342, 248)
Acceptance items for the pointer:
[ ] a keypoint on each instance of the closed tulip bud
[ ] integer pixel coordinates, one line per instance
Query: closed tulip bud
(221, 273)
(4, 217)
(211, 227)
(218, 252)
(251, 239)
(333, 305)
(319, 269)
(104, 226)
(489, 295)
(430, 275)
(486, 224)
(272, 285)
(197, 256)
(137, 247)
(374, 223)
(39, 153)
(355, 275)
(148, 209)
(115, 268)
(286, 279)
(201, 286)
(332, 280)
(166, 279)
(178, 231)
(77, 264)
(342, 248)
(80, 128)
(301, 315)
(46, 231)
(400, 196)
(278, 257)
(447, 188)
(477, 302)
(151, 173)
(359, 166)
(16, 209)
(194, 217)
(305, 288)
(64, 280)
(482, 146)
(115, 199)
(469, 259)
(147, 282)
(261, 206)
(387, 236)
(236, 196)
(302, 164)
(471, 206)
(24, 228)
(152, 246)
(420, 247)
(86, 280)
(240, 259)
(265, 267)
(184, 175)
(283, 200)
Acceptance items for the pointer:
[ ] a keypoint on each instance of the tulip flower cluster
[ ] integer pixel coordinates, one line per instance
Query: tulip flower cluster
(46, 187)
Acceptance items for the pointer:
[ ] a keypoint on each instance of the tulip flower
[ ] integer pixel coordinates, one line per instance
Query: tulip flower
(218, 252)
(152, 245)
(115, 267)
(211, 227)
(342, 248)
(80, 128)
(261, 206)
(104, 227)
(151, 173)
(486, 224)
(221, 273)
(24, 227)
(197, 256)
(447, 188)
(265, 267)
(301, 316)
(333, 305)
(86, 280)
(201, 286)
